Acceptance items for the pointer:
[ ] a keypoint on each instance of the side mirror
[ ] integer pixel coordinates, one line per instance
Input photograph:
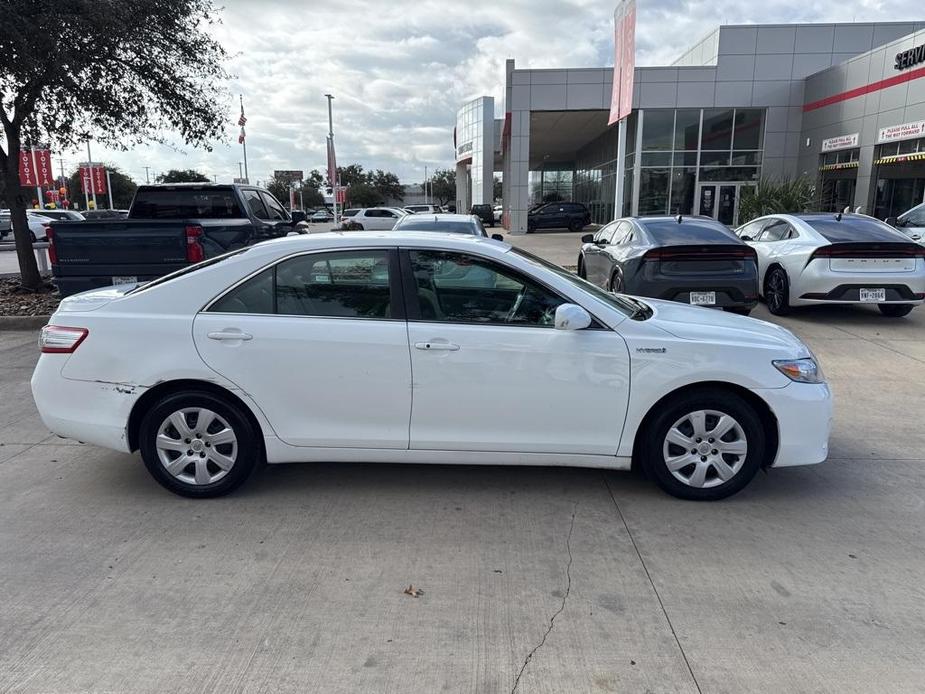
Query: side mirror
(746, 237)
(587, 238)
(572, 317)
(497, 237)
(892, 221)
(297, 216)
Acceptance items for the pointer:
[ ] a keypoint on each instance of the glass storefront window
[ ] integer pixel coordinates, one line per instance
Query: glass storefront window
(909, 146)
(748, 129)
(714, 158)
(682, 191)
(746, 158)
(656, 159)
(687, 129)
(717, 129)
(653, 190)
(729, 173)
(657, 129)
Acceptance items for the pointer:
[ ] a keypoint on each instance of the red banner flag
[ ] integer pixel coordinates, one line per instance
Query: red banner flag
(332, 164)
(624, 60)
(93, 178)
(26, 169)
(43, 172)
(99, 179)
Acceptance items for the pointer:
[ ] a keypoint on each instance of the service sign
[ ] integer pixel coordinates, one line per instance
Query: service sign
(907, 59)
(840, 142)
(906, 131)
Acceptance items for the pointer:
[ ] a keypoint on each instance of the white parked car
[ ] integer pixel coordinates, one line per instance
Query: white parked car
(912, 223)
(373, 218)
(297, 349)
(499, 213)
(38, 225)
(835, 259)
(422, 209)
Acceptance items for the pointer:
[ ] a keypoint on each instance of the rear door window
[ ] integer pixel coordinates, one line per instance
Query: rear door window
(277, 212)
(255, 204)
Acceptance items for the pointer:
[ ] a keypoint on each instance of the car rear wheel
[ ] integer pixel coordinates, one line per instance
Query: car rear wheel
(777, 291)
(581, 269)
(575, 225)
(199, 445)
(704, 446)
(895, 310)
(616, 282)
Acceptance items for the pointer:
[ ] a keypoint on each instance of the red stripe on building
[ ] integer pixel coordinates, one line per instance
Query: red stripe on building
(866, 89)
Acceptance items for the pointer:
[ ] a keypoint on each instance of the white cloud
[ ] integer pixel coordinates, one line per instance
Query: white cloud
(399, 70)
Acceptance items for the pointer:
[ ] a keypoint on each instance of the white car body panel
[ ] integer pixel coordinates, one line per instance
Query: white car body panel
(375, 222)
(509, 395)
(822, 275)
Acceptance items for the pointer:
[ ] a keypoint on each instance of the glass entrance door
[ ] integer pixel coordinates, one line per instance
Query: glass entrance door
(720, 201)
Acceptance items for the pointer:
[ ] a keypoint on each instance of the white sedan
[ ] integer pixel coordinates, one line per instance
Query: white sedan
(409, 347)
(835, 259)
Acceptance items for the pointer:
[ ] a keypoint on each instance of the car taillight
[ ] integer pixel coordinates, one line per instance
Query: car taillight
(194, 251)
(702, 253)
(869, 250)
(59, 339)
(52, 249)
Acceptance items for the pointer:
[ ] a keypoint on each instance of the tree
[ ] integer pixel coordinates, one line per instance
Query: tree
(364, 195)
(443, 185)
(351, 175)
(183, 176)
(388, 185)
(119, 71)
(315, 179)
(775, 196)
(123, 189)
(279, 189)
(311, 196)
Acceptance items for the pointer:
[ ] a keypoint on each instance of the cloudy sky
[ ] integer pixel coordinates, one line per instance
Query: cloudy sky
(400, 69)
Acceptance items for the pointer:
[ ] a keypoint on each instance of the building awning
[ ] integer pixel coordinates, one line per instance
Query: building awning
(839, 167)
(900, 158)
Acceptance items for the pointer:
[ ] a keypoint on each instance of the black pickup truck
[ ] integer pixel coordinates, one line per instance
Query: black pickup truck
(168, 227)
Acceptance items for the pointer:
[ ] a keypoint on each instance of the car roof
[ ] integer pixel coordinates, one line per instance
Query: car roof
(359, 239)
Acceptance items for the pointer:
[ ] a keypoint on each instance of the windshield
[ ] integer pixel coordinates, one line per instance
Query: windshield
(187, 270)
(625, 305)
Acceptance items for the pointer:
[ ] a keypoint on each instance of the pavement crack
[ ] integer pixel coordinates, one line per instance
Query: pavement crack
(652, 583)
(552, 619)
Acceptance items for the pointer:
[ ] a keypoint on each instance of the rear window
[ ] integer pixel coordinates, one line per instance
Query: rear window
(668, 231)
(185, 204)
(348, 213)
(853, 229)
(451, 227)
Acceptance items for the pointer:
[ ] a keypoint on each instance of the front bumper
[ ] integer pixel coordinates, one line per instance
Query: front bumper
(88, 411)
(804, 421)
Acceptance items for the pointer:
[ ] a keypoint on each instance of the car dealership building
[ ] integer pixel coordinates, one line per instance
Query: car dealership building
(842, 104)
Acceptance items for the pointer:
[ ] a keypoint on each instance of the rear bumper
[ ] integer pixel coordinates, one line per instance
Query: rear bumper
(804, 421)
(818, 284)
(87, 411)
(729, 294)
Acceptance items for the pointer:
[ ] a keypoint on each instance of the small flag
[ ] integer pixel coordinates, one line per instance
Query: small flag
(241, 136)
(242, 121)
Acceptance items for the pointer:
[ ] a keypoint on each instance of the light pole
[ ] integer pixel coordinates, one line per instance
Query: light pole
(332, 161)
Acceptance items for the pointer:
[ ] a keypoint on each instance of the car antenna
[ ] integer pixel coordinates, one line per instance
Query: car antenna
(678, 218)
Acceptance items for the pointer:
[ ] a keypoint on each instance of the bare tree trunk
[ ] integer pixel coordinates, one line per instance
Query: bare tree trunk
(19, 202)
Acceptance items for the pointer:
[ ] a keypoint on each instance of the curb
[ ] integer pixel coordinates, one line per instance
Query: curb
(23, 322)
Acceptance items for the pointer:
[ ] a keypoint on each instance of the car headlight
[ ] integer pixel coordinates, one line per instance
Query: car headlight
(800, 370)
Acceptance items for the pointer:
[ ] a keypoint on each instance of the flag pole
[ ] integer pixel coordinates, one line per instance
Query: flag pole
(244, 141)
(109, 186)
(90, 169)
(331, 158)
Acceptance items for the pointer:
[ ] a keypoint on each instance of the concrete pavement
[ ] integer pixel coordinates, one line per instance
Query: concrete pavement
(568, 579)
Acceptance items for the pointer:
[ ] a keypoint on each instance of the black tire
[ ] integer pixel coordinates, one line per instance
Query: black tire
(246, 457)
(777, 291)
(742, 471)
(581, 268)
(895, 310)
(738, 310)
(617, 285)
(33, 237)
(575, 225)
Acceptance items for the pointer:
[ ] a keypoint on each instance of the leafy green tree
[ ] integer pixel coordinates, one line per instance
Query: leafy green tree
(443, 185)
(311, 196)
(183, 176)
(363, 195)
(279, 189)
(315, 179)
(123, 189)
(388, 185)
(351, 175)
(119, 71)
(776, 196)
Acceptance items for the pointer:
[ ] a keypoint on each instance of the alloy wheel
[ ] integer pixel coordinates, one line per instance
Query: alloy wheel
(196, 445)
(705, 448)
(776, 289)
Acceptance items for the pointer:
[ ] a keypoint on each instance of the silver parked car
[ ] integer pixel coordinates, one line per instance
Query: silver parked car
(453, 223)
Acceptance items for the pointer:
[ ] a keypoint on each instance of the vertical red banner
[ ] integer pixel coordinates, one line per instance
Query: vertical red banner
(26, 169)
(43, 164)
(624, 60)
(86, 181)
(99, 179)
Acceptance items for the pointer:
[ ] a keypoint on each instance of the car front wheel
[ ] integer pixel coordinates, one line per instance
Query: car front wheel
(895, 310)
(198, 444)
(706, 445)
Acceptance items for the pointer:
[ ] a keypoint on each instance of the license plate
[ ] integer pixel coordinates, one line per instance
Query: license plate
(873, 295)
(125, 280)
(703, 298)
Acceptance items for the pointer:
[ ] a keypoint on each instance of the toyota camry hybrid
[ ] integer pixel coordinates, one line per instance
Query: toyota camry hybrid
(424, 347)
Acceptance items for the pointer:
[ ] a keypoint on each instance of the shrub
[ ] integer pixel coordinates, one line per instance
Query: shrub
(776, 196)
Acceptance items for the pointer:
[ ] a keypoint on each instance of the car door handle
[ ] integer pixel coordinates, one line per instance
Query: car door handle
(436, 346)
(230, 335)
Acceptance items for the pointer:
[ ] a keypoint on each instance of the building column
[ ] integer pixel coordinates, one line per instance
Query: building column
(462, 188)
(519, 186)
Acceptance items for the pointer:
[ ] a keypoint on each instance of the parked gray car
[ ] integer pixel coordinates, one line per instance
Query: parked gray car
(453, 223)
(693, 260)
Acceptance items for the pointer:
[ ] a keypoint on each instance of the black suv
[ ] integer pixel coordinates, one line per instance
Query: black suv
(559, 215)
(484, 212)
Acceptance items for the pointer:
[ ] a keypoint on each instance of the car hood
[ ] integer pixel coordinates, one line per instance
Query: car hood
(94, 299)
(712, 325)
